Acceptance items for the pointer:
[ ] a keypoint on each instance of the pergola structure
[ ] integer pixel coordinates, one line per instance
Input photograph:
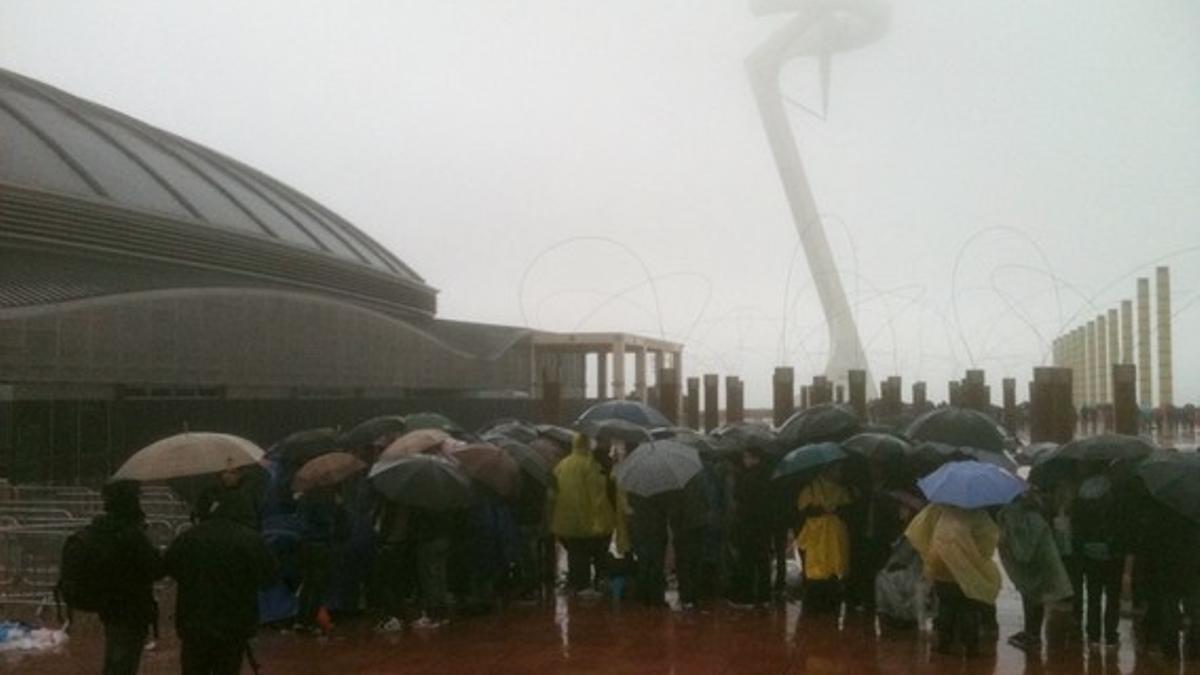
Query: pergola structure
(612, 348)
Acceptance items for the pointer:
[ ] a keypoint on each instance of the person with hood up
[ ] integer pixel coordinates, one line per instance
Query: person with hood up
(956, 546)
(219, 565)
(824, 539)
(582, 514)
(134, 564)
(1031, 558)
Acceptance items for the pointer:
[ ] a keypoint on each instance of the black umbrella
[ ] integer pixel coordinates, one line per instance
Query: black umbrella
(372, 430)
(1029, 454)
(1107, 448)
(529, 460)
(560, 435)
(631, 411)
(832, 422)
(425, 481)
(744, 436)
(608, 430)
(303, 446)
(879, 446)
(511, 428)
(432, 420)
(959, 427)
(1174, 479)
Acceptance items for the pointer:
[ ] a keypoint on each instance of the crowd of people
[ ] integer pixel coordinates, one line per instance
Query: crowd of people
(861, 530)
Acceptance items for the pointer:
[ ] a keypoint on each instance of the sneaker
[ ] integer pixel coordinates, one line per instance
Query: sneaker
(740, 605)
(427, 623)
(589, 594)
(389, 625)
(150, 645)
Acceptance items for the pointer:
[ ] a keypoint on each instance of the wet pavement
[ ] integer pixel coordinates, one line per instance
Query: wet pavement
(575, 636)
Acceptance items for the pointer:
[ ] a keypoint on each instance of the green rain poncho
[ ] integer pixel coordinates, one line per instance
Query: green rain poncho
(1029, 554)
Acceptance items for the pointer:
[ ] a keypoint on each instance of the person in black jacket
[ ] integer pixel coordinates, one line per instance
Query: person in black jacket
(752, 531)
(219, 566)
(129, 607)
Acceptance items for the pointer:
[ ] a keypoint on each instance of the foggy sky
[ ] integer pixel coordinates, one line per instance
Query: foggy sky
(527, 158)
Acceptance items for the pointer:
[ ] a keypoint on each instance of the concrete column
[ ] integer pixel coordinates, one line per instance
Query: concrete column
(1114, 344)
(805, 397)
(954, 391)
(668, 394)
(784, 399)
(1127, 332)
(839, 393)
(639, 373)
(712, 403)
(693, 403)
(821, 390)
(1009, 385)
(1093, 386)
(973, 390)
(857, 380)
(602, 375)
(1162, 287)
(1145, 391)
(1102, 359)
(1125, 410)
(918, 396)
(735, 407)
(1052, 413)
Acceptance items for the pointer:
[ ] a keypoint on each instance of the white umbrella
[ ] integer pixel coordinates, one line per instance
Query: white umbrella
(189, 454)
(659, 466)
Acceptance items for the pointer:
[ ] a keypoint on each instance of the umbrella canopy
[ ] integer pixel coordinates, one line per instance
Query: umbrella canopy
(432, 420)
(489, 465)
(808, 457)
(744, 436)
(1174, 479)
(631, 411)
(616, 430)
(1107, 448)
(549, 451)
(511, 428)
(189, 454)
(415, 443)
(531, 462)
(971, 485)
(302, 446)
(368, 432)
(423, 481)
(561, 435)
(703, 444)
(657, 467)
(1029, 454)
(328, 469)
(831, 422)
(959, 427)
(878, 446)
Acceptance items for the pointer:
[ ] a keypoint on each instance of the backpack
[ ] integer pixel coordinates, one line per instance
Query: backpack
(1092, 518)
(87, 568)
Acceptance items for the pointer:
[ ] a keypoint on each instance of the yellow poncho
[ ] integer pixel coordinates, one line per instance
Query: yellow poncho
(957, 545)
(824, 538)
(581, 505)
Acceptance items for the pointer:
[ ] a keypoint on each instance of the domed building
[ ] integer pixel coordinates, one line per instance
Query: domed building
(149, 284)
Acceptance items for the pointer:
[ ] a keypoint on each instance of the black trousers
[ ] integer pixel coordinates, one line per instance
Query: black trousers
(316, 564)
(583, 555)
(206, 655)
(958, 618)
(396, 577)
(752, 570)
(123, 645)
(1102, 580)
(1035, 614)
(689, 553)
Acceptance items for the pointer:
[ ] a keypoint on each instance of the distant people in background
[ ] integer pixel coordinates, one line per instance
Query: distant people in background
(957, 546)
(583, 515)
(129, 565)
(219, 565)
(824, 539)
(1032, 561)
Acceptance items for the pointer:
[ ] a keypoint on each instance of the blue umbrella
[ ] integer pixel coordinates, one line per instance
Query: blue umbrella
(631, 411)
(971, 485)
(808, 457)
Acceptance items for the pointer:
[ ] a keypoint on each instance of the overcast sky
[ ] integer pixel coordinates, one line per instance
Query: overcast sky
(537, 161)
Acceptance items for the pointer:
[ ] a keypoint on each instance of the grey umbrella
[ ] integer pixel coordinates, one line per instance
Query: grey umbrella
(657, 467)
(425, 481)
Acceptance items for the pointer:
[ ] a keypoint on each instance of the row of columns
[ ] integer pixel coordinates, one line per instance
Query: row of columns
(1091, 350)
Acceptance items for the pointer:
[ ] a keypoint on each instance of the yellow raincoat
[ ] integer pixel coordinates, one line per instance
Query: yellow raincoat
(957, 545)
(581, 506)
(824, 538)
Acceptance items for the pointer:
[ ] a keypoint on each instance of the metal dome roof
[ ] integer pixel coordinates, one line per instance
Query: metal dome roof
(54, 142)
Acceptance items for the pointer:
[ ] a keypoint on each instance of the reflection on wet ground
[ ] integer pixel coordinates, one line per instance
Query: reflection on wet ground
(574, 636)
